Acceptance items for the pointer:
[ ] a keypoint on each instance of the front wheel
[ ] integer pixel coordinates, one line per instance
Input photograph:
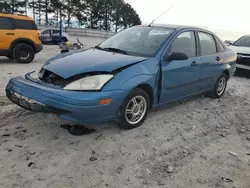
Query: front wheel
(220, 86)
(134, 109)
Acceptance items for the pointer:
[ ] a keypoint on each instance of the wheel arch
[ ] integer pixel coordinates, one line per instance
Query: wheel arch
(145, 82)
(226, 72)
(149, 90)
(23, 40)
(64, 37)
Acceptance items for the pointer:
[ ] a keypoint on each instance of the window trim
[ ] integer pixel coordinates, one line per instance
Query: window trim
(200, 31)
(195, 40)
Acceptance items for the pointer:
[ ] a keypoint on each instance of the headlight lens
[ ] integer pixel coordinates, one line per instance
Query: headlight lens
(94, 82)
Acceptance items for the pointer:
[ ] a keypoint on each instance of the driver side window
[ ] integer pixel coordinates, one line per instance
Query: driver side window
(185, 43)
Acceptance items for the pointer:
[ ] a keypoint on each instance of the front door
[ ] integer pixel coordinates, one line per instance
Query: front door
(180, 78)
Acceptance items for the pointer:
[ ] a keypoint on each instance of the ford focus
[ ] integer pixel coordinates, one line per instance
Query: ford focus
(126, 75)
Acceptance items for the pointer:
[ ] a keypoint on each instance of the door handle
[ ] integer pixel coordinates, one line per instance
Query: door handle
(218, 58)
(194, 63)
(10, 33)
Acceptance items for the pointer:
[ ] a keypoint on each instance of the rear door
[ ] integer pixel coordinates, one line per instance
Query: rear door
(7, 34)
(180, 78)
(26, 28)
(211, 59)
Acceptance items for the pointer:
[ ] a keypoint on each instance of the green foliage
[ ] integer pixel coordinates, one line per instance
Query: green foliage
(95, 14)
(13, 6)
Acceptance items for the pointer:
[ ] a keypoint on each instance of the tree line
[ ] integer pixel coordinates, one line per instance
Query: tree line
(95, 14)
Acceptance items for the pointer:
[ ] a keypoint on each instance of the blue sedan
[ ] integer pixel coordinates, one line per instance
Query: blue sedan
(126, 75)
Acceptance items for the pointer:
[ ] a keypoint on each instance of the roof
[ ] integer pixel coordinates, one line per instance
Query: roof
(16, 16)
(172, 26)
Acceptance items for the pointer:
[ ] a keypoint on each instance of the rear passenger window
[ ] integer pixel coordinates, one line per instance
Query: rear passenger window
(5, 23)
(208, 45)
(24, 24)
(185, 43)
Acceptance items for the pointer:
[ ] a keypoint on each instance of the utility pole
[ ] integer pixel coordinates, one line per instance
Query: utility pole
(46, 12)
(34, 13)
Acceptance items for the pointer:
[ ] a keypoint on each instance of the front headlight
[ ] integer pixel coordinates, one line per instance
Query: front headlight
(95, 82)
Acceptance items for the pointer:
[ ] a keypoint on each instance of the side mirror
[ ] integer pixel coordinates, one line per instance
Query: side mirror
(177, 56)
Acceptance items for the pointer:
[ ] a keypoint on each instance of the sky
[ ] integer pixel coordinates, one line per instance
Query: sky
(229, 15)
(227, 18)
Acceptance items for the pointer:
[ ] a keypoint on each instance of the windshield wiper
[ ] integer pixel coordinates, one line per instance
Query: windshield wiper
(98, 47)
(116, 50)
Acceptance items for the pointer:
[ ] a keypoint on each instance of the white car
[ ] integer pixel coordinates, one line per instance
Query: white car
(242, 47)
(53, 36)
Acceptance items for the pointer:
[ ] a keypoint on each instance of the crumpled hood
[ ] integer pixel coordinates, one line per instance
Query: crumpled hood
(85, 61)
(240, 49)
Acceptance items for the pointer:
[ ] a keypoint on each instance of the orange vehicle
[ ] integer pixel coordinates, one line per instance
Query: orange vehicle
(19, 37)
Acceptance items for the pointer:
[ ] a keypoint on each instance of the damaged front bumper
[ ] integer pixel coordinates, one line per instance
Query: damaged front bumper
(30, 104)
(77, 106)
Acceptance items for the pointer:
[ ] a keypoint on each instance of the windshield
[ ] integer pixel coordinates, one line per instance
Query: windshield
(243, 41)
(138, 40)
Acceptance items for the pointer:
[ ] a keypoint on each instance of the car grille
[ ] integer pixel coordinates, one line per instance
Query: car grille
(30, 104)
(243, 59)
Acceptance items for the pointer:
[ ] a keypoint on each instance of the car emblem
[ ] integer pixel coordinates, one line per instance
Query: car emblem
(239, 56)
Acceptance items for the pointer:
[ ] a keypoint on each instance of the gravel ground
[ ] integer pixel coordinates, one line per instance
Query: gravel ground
(199, 143)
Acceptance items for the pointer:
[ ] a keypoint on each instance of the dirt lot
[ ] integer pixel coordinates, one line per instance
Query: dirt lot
(200, 143)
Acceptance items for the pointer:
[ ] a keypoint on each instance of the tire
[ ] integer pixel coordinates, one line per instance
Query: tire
(217, 93)
(124, 118)
(64, 39)
(10, 56)
(23, 53)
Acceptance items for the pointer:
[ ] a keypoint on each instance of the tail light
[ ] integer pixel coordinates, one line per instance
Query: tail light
(39, 35)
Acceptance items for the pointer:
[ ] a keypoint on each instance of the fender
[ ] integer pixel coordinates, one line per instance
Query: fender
(225, 67)
(22, 40)
(143, 79)
(133, 82)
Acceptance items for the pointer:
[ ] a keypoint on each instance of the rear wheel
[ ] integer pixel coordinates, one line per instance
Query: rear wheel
(24, 53)
(220, 86)
(134, 109)
(64, 39)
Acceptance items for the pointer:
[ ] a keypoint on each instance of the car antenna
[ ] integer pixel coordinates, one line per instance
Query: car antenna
(160, 16)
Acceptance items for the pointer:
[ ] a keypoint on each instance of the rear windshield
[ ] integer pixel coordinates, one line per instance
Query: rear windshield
(10, 24)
